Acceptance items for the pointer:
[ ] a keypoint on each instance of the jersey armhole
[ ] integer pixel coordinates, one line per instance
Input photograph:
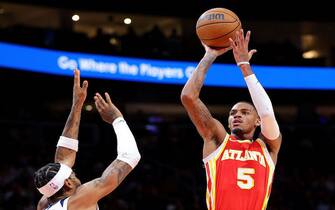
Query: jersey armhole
(218, 151)
(266, 153)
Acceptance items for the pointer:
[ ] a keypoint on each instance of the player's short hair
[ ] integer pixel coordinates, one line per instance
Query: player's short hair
(43, 175)
(247, 102)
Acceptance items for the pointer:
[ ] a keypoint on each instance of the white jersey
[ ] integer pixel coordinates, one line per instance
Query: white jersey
(61, 205)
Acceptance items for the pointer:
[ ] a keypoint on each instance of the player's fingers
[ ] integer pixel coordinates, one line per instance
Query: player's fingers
(247, 37)
(237, 39)
(242, 34)
(76, 77)
(224, 50)
(252, 52)
(98, 108)
(108, 98)
(228, 48)
(97, 105)
(239, 33)
(203, 44)
(232, 43)
(100, 100)
(85, 85)
(242, 38)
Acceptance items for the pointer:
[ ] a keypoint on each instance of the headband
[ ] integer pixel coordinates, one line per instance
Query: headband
(57, 182)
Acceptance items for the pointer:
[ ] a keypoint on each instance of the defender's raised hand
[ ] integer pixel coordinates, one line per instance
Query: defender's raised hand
(107, 110)
(79, 93)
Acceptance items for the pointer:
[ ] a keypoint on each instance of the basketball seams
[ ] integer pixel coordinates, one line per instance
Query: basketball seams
(224, 34)
(225, 13)
(217, 23)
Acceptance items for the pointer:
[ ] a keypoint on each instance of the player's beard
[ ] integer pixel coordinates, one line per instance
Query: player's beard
(237, 131)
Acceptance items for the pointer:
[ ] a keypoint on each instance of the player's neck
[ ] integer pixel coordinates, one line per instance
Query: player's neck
(52, 201)
(243, 136)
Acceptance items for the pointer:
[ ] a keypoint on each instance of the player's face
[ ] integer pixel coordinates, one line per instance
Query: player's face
(74, 180)
(72, 183)
(243, 118)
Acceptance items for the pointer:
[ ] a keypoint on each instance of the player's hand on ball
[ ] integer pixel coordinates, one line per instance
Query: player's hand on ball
(215, 52)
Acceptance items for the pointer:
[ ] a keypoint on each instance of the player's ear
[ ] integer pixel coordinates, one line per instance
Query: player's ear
(258, 121)
(68, 183)
(229, 124)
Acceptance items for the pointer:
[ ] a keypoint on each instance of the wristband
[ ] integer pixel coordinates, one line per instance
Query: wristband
(243, 62)
(68, 143)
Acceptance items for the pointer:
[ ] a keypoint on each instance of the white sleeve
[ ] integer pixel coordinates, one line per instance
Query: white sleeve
(262, 102)
(126, 145)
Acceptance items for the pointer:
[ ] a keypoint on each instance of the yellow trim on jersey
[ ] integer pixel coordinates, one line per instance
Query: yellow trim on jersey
(271, 171)
(207, 190)
(211, 161)
(224, 143)
(218, 150)
(208, 199)
(266, 154)
(242, 141)
(212, 164)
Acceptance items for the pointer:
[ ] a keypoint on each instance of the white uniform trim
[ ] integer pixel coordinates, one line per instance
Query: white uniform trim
(217, 151)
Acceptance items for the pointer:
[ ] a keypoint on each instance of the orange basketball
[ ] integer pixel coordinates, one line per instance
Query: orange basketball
(216, 26)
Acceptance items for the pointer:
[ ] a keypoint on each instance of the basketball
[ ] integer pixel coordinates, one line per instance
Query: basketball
(215, 27)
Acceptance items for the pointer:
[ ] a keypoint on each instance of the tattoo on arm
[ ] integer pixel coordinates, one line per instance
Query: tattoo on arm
(91, 192)
(204, 115)
(65, 155)
(202, 119)
(196, 109)
(202, 69)
(117, 169)
(71, 128)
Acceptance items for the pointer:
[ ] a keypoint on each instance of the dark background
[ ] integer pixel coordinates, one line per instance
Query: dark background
(255, 10)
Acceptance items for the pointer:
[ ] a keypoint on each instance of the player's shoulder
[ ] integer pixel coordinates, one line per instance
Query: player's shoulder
(59, 205)
(273, 145)
(42, 203)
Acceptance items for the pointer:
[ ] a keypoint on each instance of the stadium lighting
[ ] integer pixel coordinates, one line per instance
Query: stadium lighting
(75, 18)
(127, 21)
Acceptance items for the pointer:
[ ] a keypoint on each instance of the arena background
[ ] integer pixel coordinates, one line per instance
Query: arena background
(170, 176)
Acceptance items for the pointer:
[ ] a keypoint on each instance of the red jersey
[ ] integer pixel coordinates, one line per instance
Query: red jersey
(239, 175)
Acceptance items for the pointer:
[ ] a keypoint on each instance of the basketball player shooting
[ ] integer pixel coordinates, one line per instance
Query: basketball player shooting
(239, 169)
(58, 184)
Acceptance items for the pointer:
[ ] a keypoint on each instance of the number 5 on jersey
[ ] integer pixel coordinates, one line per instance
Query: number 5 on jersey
(244, 178)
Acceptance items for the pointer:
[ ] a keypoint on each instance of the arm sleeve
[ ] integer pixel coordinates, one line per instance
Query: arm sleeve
(126, 145)
(262, 102)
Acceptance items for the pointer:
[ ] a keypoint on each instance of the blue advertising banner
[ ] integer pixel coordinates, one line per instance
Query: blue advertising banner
(158, 71)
